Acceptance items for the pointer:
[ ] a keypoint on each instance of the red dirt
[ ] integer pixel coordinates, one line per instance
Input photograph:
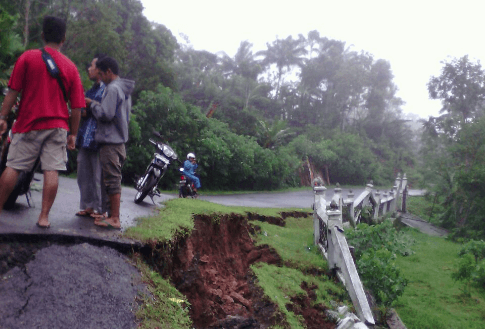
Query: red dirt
(211, 267)
(315, 317)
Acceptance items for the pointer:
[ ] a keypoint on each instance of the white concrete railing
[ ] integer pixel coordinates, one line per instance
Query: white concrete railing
(328, 235)
(378, 204)
(329, 228)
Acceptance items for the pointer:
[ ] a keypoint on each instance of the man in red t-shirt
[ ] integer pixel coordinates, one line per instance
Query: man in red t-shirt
(43, 117)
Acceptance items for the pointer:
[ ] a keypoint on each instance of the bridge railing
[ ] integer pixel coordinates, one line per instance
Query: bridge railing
(329, 227)
(375, 203)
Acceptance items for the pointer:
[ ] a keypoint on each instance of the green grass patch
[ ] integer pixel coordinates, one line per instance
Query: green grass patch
(164, 306)
(432, 299)
(293, 242)
(176, 216)
(281, 283)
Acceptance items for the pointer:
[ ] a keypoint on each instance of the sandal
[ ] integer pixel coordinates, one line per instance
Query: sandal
(98, 217)
(84, 213)
(107, 225)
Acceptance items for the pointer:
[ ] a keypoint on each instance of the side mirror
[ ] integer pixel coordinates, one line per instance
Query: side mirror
(156, 133)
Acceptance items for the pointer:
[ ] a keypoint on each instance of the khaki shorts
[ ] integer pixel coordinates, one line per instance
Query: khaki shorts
(50, 145)
(112, 157)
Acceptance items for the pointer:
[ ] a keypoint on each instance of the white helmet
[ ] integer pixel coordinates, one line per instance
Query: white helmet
(190, 155)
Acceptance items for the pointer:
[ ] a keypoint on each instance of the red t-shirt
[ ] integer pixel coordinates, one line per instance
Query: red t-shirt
(42, 104)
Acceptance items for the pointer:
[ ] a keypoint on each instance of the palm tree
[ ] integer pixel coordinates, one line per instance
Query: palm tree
(243, 63)
(271, 135)
(285, 53)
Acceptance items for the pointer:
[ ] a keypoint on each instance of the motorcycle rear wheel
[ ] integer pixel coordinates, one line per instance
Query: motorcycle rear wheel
(145, 189)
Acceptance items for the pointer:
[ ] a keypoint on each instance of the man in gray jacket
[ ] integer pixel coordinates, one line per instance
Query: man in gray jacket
(113, 116)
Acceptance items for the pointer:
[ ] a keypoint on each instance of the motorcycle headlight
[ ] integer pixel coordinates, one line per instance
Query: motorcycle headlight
(168, 151)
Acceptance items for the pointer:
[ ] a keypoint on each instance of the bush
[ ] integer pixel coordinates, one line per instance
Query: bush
(380, 275)
(471, 265)
(376, 247)
(376, 237)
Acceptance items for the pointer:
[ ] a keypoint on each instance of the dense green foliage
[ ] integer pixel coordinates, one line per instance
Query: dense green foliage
(471, 266)
(453, 147)
(10, 45)
(376, 247)
(227, 160)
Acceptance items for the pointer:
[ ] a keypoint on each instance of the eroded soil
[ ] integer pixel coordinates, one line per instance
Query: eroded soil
(212, 269)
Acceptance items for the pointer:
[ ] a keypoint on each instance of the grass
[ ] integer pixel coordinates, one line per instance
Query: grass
(425, 207)
(294, 243)
(164, 306)
(432, 299)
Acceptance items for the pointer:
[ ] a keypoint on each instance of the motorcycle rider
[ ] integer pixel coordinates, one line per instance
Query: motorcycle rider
(189, 170)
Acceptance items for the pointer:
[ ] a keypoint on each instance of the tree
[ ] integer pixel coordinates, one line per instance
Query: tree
(461, 89)
(284, 53)
(272, 135)
(11, 45)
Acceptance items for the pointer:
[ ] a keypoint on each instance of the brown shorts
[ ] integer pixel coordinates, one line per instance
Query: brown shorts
(50, 145)
(112, 157)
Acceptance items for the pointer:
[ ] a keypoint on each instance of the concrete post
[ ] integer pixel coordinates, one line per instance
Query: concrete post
(384, 198)
(398, 184)
(334, 220)
(393, 200)
(398, 181)
(404, 190)
(350, 199)
(337, 197)
(377, 196)
(369, 186)
(319, 206)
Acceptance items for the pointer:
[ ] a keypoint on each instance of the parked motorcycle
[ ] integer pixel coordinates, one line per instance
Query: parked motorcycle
(25, 178)
(162, 158)
(186, 186)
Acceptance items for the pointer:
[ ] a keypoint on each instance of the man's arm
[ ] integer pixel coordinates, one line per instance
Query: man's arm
(74, 123)
(7, 105)
(106, 110)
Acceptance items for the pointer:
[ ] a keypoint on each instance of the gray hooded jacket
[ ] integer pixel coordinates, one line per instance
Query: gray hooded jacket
(113, 113)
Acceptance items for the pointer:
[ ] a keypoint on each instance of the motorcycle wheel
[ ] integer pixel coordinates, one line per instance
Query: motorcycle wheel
(145, 189)
(10, 203)
(183, 192)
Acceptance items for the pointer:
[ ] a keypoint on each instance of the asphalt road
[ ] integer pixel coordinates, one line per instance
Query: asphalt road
(22, 219)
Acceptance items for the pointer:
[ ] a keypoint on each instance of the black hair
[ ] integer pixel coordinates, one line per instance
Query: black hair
(54, 29)
(107, 63)
(100, 56)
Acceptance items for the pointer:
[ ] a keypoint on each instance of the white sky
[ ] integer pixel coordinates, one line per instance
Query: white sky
(413, 35)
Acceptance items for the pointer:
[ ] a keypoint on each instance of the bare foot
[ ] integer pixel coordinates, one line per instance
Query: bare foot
(43, 222)
(111, 222)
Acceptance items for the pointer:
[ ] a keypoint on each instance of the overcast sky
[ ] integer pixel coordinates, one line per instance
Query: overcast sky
(415, 36)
